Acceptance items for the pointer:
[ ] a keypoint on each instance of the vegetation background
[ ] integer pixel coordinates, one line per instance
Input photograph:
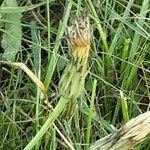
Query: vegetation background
(117, 86)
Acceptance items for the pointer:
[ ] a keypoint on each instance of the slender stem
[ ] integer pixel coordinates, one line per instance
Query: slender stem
(90, 115)
(48, 27)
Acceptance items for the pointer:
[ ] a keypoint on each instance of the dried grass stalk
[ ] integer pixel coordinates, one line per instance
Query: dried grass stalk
(125, 138)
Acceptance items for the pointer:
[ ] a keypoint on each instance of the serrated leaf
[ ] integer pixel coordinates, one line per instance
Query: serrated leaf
(11, 39)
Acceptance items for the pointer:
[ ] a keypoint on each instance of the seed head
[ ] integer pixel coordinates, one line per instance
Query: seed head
(80, 38)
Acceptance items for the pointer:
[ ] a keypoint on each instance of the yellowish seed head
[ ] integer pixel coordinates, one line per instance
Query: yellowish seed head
(80, 38)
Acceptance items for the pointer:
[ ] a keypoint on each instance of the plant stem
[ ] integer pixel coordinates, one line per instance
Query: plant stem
(55, 113)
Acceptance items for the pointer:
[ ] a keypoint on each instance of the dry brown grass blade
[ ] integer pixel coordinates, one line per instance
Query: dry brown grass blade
(125, 138)
(33, 77)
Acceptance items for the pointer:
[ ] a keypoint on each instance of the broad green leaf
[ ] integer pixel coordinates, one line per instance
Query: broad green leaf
(11, 39)
(12, 9)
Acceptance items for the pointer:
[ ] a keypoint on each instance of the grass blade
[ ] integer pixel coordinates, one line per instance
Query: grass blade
(88, 134)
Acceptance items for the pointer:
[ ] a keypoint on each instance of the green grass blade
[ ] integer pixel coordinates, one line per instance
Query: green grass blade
(88, 133)
(49, 122)
(37, 65)
(48, 27)
(119, 29)
(124, 107)
(54, 58)
(137, 36)
(125, 53)
(98, 24)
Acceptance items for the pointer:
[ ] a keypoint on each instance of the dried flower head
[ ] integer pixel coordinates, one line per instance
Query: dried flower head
(80, 39)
